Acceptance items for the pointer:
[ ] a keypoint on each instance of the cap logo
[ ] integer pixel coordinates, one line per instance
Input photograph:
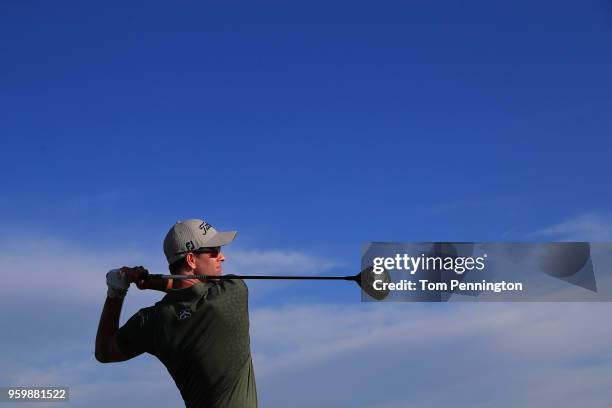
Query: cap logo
(205, 227)
(190, 245)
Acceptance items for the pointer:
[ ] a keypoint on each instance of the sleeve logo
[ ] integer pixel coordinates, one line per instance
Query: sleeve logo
(184, 314)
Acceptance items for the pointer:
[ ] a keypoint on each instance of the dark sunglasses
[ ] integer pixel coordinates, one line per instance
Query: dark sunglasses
(213, 251)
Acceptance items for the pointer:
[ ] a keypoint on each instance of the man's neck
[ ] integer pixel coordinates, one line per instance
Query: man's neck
(184, 283)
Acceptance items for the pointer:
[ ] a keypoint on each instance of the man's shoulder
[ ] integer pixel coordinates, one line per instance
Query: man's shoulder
(236, 281)
(200, 295)
(146, 313)
(154, 311)
(155, 315)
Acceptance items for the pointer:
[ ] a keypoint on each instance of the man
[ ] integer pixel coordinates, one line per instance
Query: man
(199, 330)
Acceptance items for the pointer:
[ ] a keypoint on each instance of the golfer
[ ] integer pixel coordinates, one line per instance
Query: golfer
(199, 330)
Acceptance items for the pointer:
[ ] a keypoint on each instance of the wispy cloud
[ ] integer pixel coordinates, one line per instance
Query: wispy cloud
(95, 385)
(381, 355)
(57, 269)
(405, 355)
(275, 262)
(386, 355)
(585, 227)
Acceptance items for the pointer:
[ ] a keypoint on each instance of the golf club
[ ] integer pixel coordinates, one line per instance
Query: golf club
(364, 279)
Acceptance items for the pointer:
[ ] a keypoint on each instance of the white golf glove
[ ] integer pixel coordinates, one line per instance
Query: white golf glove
(117, 284)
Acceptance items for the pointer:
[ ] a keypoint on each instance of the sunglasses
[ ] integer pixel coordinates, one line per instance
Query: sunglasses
(213, 251)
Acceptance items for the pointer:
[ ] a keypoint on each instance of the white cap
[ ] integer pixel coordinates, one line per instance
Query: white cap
(191, 235)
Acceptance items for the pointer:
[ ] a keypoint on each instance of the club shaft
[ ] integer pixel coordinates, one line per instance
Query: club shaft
(266, 277)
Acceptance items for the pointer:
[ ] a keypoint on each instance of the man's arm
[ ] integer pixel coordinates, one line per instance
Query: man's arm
(107, 347)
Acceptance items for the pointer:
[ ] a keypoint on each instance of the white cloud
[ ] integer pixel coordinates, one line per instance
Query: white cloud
(385, 355)
(400, 355)
(95, 385)
(586, 227)
(55, 269)
(315, 332)
(381, 355)
(275, 262)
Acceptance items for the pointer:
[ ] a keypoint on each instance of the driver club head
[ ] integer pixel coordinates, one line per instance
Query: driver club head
(365, 279)
(564, 259)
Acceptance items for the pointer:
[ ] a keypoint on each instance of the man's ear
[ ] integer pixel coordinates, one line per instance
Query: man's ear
(190, 260)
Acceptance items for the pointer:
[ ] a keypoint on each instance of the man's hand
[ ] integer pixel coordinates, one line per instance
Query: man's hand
(117, 283)
(118, 280)
(136, 274)
(139, 275)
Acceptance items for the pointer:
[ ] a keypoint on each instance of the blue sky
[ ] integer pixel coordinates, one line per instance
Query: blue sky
(310, 128)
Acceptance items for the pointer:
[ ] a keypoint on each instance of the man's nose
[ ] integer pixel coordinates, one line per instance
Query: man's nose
(221, 256)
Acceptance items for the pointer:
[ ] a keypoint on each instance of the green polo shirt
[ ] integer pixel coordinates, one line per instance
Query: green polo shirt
(201, 335)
